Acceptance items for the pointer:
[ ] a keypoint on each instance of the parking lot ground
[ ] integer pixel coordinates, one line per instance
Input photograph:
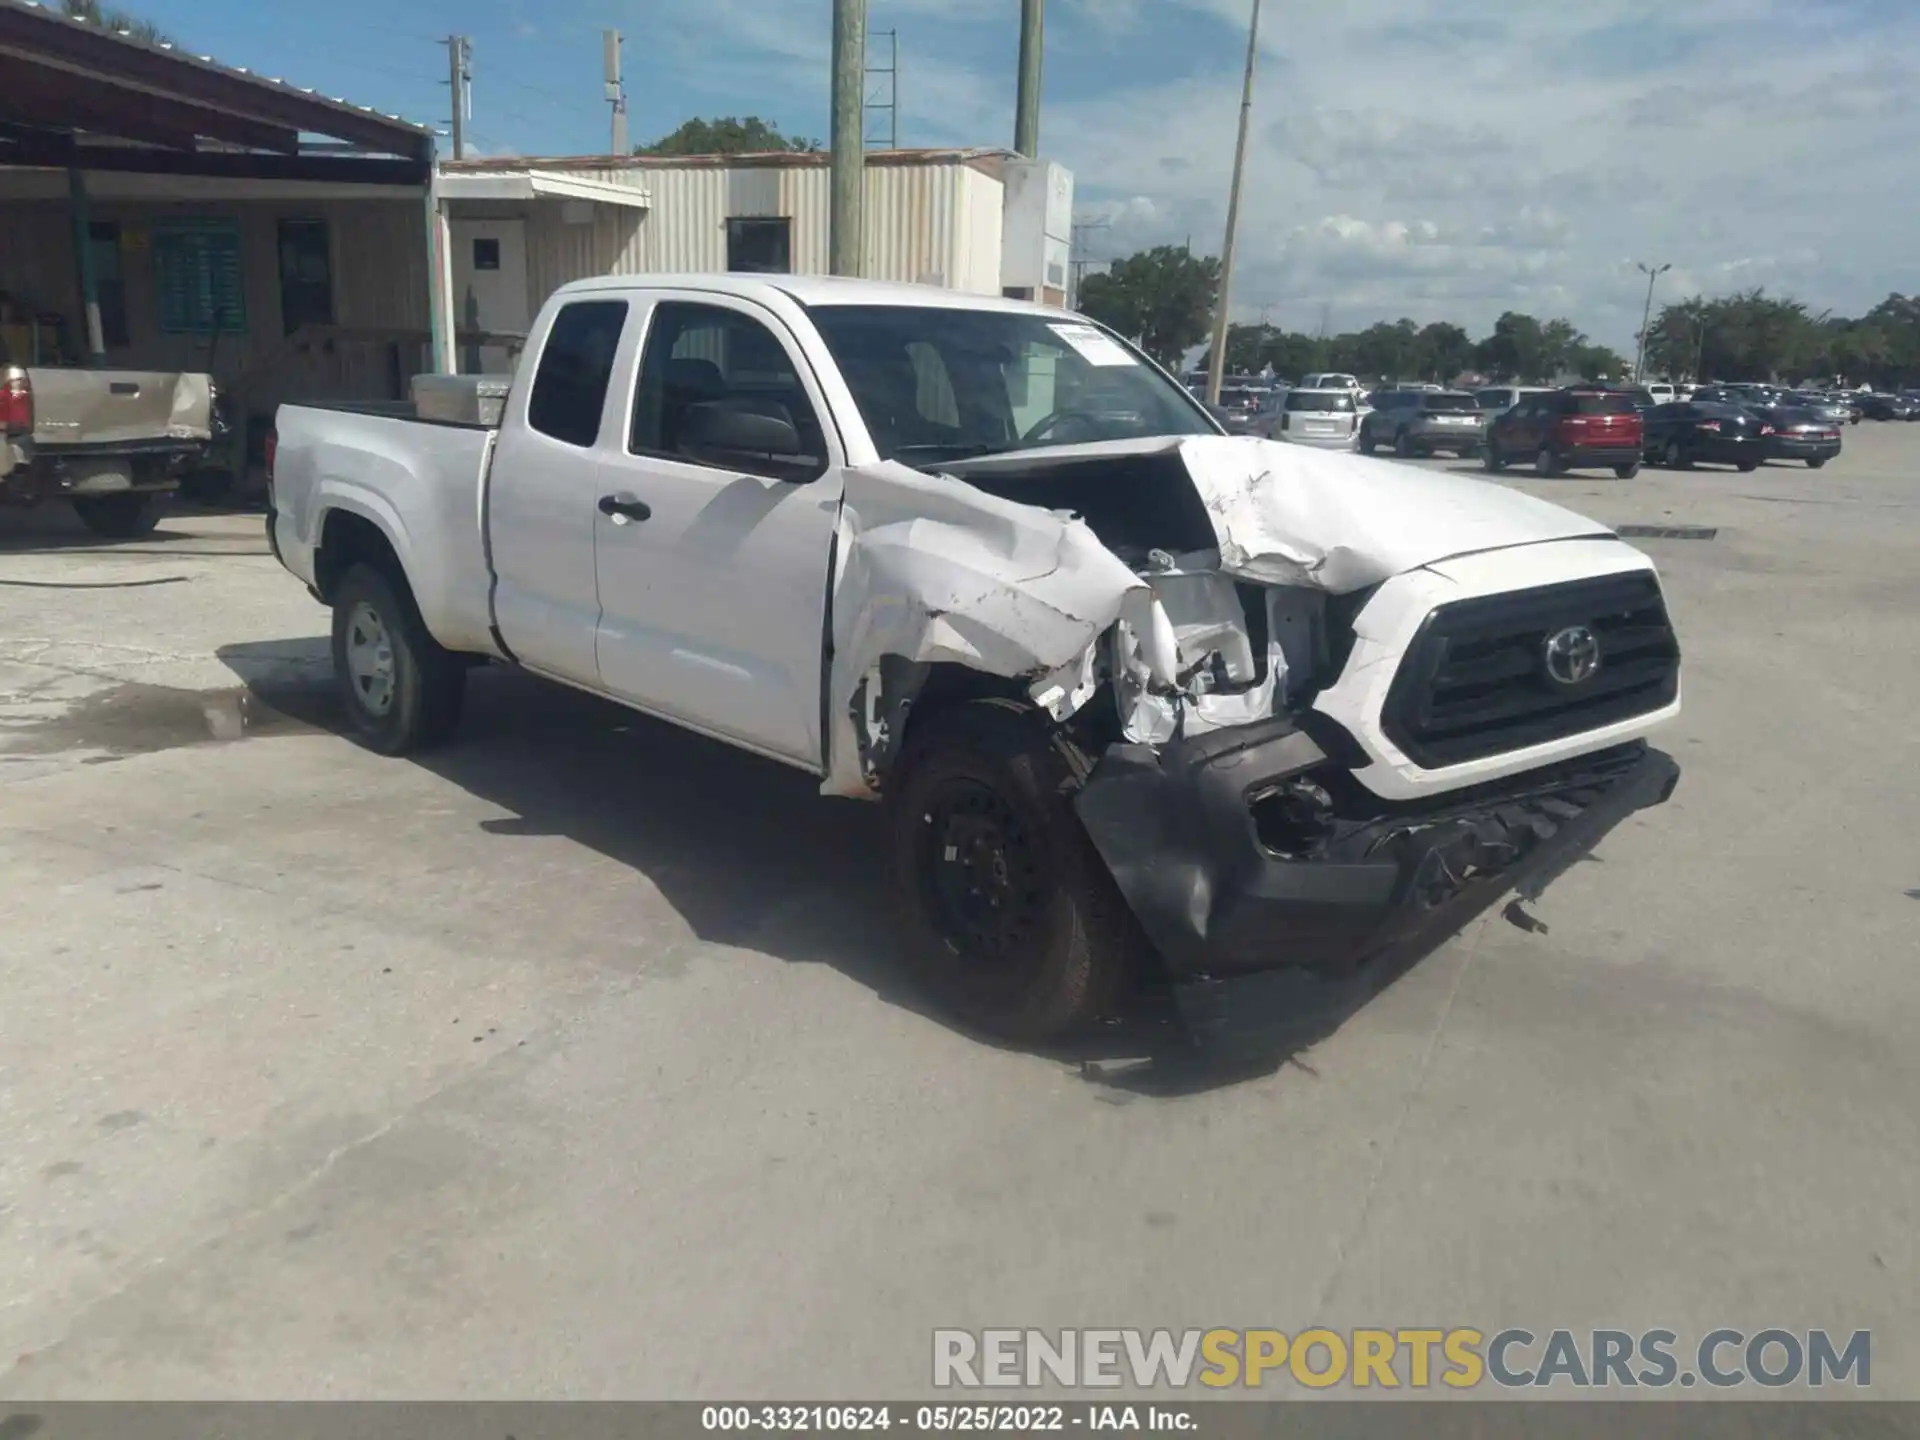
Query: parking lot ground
(571, 1061)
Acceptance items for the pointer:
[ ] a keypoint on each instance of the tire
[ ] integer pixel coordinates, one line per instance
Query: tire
(1366, 441)
(1677, 457)
(1815, 462)
(401, 690)
(1402, 446)
(1004, 910)
(1490, 460)
(1626, 472)
(1747, 467)
(119, 517)
(1546, 464)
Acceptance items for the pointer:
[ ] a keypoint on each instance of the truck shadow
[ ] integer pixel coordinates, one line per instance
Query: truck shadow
(747, 852)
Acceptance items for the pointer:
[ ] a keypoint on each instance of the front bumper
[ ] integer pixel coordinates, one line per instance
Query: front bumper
(1248, 937)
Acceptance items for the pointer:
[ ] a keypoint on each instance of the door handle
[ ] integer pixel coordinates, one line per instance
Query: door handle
(623, 508)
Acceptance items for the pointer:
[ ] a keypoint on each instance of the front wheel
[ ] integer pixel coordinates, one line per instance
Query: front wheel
(1004, 910)
(1366, 441)
(1546, 464)
(1490, 460)
(1747, 467)
(1402, 446)
(125, 516)
(401, 689)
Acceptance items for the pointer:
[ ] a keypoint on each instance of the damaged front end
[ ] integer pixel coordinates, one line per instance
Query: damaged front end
(1176, 607)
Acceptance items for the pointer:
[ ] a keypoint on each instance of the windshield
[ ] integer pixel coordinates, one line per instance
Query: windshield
(1608, 402)
(1327, 403)
(936, 384)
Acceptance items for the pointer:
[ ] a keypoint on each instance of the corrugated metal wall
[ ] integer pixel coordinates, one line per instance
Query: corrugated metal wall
(926, 224)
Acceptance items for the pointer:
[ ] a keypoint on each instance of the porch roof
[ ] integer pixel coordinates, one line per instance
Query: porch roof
(536, 184)
(76, 95)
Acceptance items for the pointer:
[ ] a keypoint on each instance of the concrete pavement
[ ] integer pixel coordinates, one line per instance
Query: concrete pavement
(571, 1061)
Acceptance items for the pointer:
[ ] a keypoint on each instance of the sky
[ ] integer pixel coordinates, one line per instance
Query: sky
(1437, 159)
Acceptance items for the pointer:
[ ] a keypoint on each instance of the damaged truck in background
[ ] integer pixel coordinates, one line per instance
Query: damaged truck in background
(1143, 701)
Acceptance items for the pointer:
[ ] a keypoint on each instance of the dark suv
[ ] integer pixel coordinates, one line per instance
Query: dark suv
(1569, 429)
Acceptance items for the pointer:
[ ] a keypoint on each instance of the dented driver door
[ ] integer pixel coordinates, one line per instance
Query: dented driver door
(712, 560)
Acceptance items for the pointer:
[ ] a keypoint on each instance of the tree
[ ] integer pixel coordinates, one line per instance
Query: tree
(1161, 298)
(131, 26)
(726, 136)
(1516, 349)
(1445, 351)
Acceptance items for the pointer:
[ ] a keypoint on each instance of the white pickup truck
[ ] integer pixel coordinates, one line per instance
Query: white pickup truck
(1142, 699)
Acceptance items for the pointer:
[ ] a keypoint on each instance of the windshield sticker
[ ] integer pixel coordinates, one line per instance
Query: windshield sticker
(1092, 346)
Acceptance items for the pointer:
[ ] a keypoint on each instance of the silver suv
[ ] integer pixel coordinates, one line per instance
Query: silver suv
(1424, 422)
(1327, 418)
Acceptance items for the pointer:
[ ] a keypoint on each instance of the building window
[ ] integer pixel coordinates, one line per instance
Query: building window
(761, 247)
(198, 273)
(486, 253)
(306, 275)
(109, 280)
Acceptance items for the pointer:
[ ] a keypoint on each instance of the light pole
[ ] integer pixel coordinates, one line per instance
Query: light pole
(1653, 273)
(1217, 366)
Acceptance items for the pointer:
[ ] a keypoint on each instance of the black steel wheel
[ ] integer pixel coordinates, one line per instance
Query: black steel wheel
(1004, 910)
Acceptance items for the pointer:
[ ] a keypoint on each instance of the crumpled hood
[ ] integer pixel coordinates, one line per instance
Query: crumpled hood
(1292, 515)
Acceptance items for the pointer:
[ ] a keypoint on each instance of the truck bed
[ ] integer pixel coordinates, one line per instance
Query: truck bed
(116, 411)
(421, 481)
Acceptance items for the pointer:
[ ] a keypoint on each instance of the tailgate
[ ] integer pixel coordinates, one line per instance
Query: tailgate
(120, 407)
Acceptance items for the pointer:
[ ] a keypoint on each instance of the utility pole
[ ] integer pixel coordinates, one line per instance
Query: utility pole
(1026, 115)
(460, 81)
(1217, 362)
(1653, 273)
(846, 239)
(616, 92)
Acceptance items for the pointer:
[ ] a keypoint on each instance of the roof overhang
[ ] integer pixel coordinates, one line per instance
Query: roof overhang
(525, 185)
(77, 94)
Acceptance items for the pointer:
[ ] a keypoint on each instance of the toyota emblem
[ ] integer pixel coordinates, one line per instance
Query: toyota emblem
(1572, 655)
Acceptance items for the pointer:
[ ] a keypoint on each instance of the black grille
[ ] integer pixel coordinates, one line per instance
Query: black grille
(1475, 682)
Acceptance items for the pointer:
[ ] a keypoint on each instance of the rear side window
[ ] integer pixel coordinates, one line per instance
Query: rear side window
(1322, 404)
(1600, 403)
(570, 387)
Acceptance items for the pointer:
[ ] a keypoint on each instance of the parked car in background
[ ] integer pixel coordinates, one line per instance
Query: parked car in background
(1799, 434)
(1331, 380)
(1496, 398)
(1571, 429)
(1888, 407)
(1242, 410)
(1423, 422)
(1687, 432)
(113, 443)
(1662, 393)
(1831, 408)
(1328, 418)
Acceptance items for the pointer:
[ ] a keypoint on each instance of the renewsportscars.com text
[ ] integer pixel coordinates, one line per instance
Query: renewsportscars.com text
(1417, 1359)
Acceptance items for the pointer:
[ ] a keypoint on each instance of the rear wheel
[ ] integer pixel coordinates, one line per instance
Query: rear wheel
(1366, 441)
(1677, 457)
(1626, 472)
(1747, 467)
(125, 516)
(1816, 461)
(1004, 909)
(1490, 459)
(401, 689)
(1402, 445)
(1546, 463)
